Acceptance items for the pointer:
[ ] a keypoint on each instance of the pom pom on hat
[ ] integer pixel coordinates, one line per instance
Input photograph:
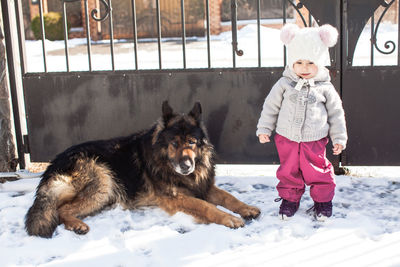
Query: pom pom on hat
(288, 32)
(328, 35)
(310, 43)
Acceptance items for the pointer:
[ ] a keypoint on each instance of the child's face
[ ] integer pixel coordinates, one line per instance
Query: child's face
(305, 69)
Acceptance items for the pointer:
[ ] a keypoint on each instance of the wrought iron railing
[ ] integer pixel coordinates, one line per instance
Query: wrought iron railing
(107, 14)
(389, 45)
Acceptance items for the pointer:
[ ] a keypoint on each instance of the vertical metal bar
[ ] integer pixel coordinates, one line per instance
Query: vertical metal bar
(65, 36)
(284, 11)
(158, 33)
(344, 62)
(234, 30)
(43, 35)
(5, 7)
(372, 39)
(259, 32)
(88, 40)
(134, 32)
(21, 35)
(183, 32)
(208, 33)
(284, 22)
(111, 36)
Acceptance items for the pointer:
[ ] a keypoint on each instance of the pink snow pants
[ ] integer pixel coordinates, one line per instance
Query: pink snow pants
(304, 163)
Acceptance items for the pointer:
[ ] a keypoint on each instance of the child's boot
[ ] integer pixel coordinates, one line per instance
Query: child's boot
(287, 209)
(322, 210)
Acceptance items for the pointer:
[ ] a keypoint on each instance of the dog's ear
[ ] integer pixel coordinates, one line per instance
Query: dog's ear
(167, 111)
(196, 111)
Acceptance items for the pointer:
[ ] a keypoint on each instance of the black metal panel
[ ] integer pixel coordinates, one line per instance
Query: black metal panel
(68, 108)
(371, 102)
(358, 14)
(328, 13)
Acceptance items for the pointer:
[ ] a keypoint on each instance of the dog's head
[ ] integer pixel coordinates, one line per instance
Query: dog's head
(183, 138)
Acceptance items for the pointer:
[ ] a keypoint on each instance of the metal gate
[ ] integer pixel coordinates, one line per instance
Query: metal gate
(66, 108)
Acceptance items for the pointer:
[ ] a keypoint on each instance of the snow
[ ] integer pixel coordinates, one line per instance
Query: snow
(364, 229)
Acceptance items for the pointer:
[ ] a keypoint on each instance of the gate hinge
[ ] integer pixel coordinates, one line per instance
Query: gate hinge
(27, 149)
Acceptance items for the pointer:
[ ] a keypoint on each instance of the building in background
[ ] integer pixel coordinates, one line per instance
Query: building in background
(170, 14)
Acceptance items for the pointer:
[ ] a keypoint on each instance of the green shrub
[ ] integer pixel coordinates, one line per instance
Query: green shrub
(53, 26)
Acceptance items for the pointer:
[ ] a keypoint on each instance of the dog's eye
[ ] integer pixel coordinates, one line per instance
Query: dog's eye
(192, 142)
(174, 144)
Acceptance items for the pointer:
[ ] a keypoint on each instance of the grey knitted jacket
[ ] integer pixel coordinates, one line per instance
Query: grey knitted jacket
(304, 110)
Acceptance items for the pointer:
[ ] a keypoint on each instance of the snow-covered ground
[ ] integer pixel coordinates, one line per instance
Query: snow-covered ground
(364, 230)
(196, 51)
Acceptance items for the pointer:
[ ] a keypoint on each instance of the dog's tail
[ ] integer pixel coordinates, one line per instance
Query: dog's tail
(42, 218)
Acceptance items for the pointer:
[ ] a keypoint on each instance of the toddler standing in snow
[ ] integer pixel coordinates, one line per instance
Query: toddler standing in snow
(304, 108)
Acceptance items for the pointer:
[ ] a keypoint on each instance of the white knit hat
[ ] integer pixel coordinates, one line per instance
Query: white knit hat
(310, 43)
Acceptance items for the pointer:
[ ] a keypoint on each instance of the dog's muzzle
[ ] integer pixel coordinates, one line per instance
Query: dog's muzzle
(185, 166)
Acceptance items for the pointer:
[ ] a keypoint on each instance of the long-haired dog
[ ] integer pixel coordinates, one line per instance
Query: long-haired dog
(170, 166)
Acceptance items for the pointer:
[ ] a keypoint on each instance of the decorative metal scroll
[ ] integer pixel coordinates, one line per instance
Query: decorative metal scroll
(95, 11)
(297, 8)
(238, 51)
(388, 44)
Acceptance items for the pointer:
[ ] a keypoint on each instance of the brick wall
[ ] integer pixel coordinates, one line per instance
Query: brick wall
(215, 16)
(146, 18)
(34, 9)
(122, 20)
(94, 26)
(215, 19)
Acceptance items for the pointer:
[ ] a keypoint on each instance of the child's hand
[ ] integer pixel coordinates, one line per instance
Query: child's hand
(337, 149)
(264, 138)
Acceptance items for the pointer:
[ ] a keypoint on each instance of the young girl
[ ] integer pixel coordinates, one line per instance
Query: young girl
(304, 108)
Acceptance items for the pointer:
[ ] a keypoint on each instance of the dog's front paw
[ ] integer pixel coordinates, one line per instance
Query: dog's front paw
(249, 212)
(233, 222)
(78, 227)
